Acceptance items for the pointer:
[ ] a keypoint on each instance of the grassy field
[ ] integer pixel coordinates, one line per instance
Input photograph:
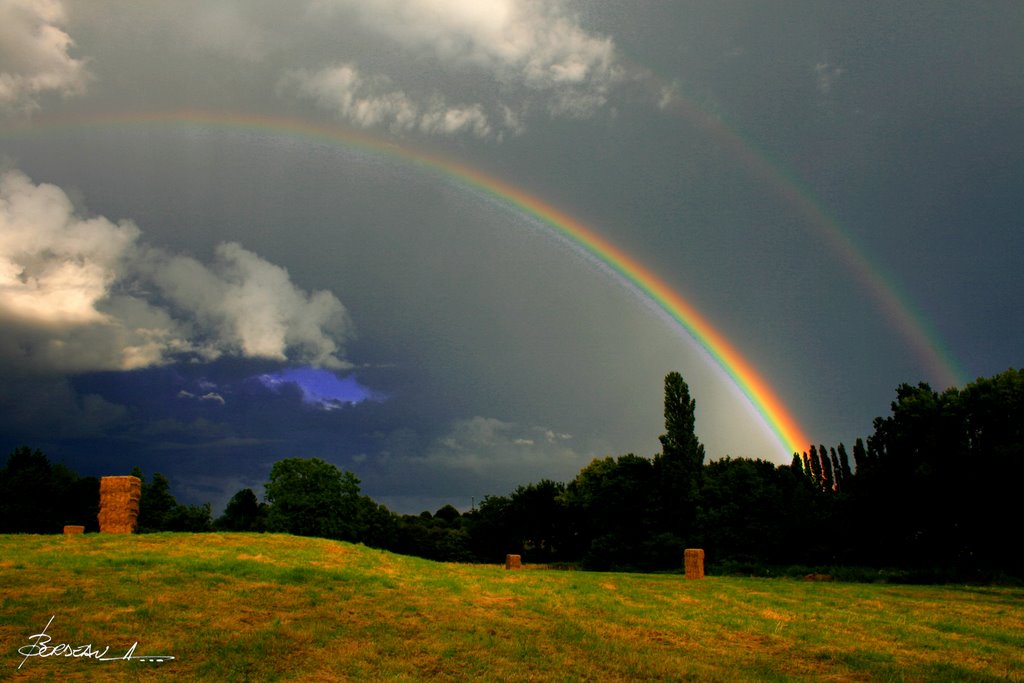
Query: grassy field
(249, 607)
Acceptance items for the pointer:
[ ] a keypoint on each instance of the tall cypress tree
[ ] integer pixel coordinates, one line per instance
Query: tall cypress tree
(844, 465)
(815, 466)
(837, 470)
(827, 480)
(797, 466)
(680, 464)
(860, 456)
(679, 442)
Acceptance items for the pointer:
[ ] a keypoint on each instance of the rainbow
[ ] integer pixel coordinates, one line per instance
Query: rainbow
(750, 383)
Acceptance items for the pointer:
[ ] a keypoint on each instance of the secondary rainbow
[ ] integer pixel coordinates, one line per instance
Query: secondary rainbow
(912, 325)
(753, 386)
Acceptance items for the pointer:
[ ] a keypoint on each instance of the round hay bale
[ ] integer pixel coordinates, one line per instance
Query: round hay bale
(513, 562)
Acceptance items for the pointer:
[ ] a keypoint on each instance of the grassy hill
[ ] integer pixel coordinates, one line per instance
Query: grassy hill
(236, 607)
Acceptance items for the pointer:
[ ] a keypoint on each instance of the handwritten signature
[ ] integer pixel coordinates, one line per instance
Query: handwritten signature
(39, 646)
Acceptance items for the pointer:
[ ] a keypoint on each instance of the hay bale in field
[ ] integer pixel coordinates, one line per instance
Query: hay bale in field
(818, 577)
(73, 530)
(119, 504)
(513, 562)
(693, 561)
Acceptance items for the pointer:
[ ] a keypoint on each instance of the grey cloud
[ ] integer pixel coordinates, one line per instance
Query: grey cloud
(50, 408)
(34, 55)
(223, 27)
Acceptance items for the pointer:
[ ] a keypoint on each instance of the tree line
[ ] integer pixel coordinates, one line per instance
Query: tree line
(930, 493)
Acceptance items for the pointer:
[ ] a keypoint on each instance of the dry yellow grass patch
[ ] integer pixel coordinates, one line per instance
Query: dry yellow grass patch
(258, 558)
(773, 615)
(272, 607)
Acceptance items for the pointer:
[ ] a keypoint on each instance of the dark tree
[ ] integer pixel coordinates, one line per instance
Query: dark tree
(797, 466)
(989, 494)
(157, 505)
(310, 497)
(610, 503)
(754, 513)
(40, 498)
(540, 519)
(159, 511)
(190, 518)
(492, 531)
(910, 490)
(244, 512)
(448, 513)
(442, 537)
(378, 526)
(860, 456)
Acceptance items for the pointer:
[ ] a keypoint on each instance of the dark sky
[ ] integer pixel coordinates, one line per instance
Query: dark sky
(836, 187)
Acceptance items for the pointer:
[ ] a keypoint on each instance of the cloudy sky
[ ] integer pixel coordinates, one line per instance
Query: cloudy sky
(233, 232)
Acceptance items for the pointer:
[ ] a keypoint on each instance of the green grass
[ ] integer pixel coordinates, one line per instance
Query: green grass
(250, 607)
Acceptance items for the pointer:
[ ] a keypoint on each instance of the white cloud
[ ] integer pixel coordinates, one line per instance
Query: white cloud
(212, 396)
(477, 433)
(440, 118)
(369, 102)
(554, 437)
(495, 449)
(34, 54)
(55, 266)
(79, 294)
(827, 75)
(668, 95)
(250, 306)
(534, 42)
(529, 46)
